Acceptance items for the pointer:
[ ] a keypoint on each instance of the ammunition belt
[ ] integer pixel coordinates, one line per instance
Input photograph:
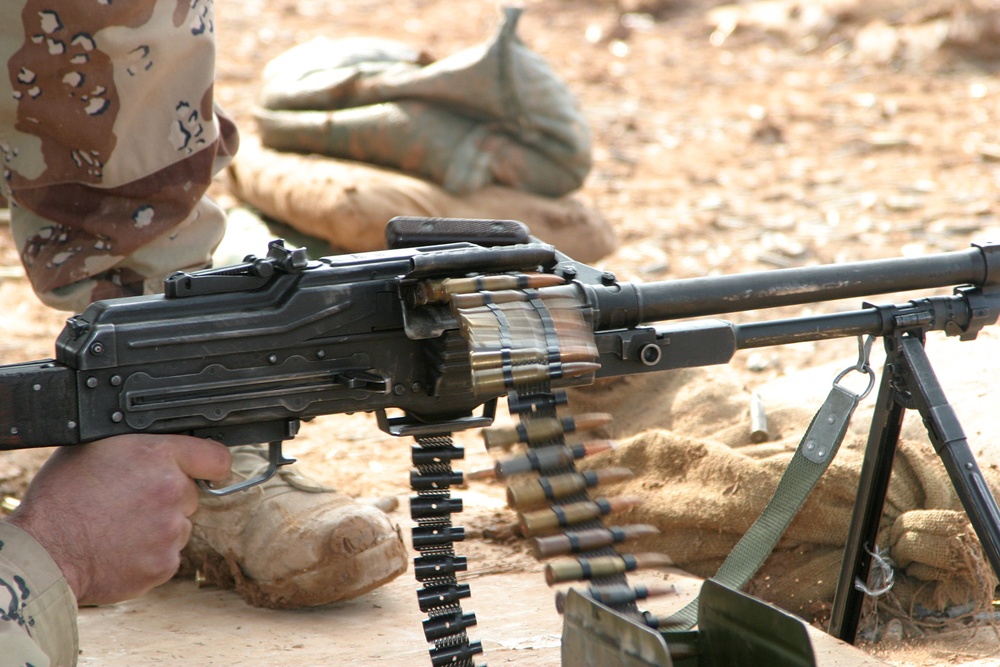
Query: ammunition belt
(527, 343)
(437, 565)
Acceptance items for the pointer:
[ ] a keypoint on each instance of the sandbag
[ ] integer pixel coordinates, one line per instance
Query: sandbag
(704, 495)
(687, 436)
(348, 203)
(495, 113)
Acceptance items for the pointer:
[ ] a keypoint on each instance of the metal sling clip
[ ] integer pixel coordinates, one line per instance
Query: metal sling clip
(863, 365)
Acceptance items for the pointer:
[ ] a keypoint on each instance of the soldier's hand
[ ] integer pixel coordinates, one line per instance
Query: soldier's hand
(113, 514)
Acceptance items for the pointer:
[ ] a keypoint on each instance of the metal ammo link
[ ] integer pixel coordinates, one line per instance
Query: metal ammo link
(436, 566)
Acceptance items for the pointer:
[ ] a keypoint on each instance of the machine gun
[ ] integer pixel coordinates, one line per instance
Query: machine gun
(454, 316)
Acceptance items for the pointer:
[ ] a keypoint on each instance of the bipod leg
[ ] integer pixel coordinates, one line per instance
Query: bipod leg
(873, 485)
(950, 443)
(909, 381)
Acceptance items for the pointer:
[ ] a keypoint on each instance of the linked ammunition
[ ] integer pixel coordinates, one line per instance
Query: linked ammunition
(532, 403)
(620, 594)
(439, 627)
(480, 299)
(602, 566)
(543, 459)
(586, 540)
(535, 492)
(441, 596)
(432, 291)
(487, 336)
(615, 595)
(497, 380)
(561, 516)
(545, 429)
(498, 356)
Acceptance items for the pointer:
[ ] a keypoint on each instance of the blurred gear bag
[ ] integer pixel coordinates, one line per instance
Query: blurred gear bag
(491, 114)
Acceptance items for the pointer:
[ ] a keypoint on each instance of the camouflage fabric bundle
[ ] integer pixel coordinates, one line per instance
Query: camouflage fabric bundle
(356, 131)
(494, 113)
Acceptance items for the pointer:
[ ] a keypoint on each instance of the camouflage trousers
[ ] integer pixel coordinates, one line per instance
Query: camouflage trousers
(110, 137)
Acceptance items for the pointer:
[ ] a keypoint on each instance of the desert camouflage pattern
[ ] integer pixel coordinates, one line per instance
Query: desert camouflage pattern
(109, 138)
(37, 607)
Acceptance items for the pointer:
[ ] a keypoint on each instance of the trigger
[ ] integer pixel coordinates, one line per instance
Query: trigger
(275, 459)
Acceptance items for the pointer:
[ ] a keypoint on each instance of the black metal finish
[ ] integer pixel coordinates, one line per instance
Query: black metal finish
(709, 341)
(951, 445)
(873, 485)
(409, 232)
(38, 405)
(437, 565)
(281, 339)
(697, 297)
(736, 629)
(909, 383)
(242, 354)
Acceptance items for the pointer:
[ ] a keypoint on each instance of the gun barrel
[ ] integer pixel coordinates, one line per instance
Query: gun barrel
(632, 304)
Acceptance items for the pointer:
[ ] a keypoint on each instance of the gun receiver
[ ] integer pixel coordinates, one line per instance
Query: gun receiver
(242, 354)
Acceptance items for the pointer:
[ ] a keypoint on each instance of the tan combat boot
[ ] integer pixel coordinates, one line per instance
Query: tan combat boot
(290, 542)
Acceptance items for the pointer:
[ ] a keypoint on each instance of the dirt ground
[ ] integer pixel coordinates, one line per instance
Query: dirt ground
(726, 139)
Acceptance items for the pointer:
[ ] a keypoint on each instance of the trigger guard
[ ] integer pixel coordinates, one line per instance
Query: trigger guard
(275, 459)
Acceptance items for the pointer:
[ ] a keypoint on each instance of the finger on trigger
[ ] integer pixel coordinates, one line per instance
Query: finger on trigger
(203, 459)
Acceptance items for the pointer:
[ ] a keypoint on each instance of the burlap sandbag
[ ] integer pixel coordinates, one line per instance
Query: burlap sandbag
(493, 113)
(348, 203)
(687, 436)
(704, 495)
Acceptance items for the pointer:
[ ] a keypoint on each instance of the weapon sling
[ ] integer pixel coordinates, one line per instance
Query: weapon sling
(812, 457)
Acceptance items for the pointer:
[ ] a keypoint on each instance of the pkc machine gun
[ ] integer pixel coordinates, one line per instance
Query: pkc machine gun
(457, 314)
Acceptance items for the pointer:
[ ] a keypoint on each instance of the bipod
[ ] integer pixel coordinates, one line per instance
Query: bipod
(908, 382)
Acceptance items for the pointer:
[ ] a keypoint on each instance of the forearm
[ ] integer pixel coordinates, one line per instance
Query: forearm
(37, 607)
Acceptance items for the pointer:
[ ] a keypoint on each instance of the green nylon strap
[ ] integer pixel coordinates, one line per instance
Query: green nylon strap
(818, 447)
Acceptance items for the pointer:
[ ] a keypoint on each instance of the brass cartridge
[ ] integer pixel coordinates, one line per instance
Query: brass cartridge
(542, 459)
(496, 358)
(758, 419)
(561, 516)
(575, 541)
(602, 566)
(535, 492)
(479, 299)
(615, 595)
(537, 354)
(542, 430)
(430, 291)
(500, 380)
(621, 594)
